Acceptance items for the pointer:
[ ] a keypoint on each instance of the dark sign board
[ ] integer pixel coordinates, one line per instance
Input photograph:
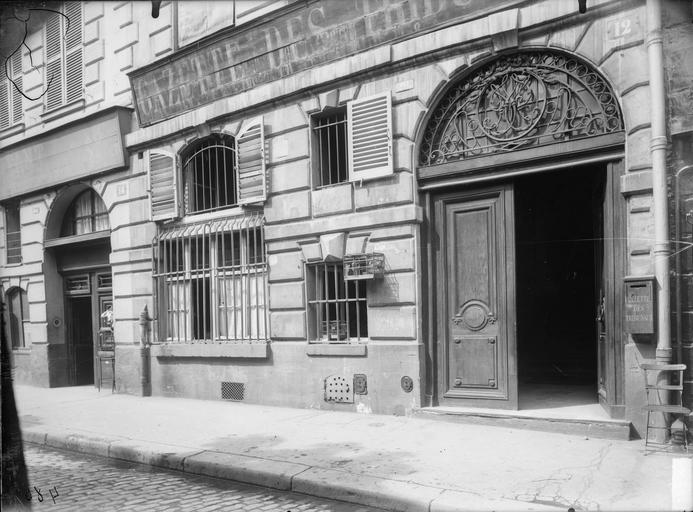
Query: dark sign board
(640, 306)
(300, 38)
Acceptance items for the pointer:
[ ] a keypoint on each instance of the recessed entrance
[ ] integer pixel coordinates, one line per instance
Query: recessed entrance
(80, 344)
(558, 240)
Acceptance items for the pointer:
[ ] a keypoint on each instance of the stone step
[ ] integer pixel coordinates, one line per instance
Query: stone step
(586, 427)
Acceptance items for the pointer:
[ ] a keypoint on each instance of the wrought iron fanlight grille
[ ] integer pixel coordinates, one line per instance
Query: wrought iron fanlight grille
(519, 101)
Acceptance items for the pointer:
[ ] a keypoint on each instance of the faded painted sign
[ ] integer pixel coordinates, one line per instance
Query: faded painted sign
(302, 37)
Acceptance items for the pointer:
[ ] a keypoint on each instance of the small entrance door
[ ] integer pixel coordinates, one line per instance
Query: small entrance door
(87, 296)
(476, 356)
(81, 341)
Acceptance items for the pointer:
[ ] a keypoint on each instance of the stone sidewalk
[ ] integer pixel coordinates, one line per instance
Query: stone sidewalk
(397, 463)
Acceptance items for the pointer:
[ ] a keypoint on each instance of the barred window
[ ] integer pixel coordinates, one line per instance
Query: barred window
(17, 316)
(209, 170)
(86, 214)
(211, 281)
(338, 310)
(331, 147)
(13, 234)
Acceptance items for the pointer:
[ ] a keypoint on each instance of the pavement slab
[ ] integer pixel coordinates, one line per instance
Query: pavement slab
(367, 459)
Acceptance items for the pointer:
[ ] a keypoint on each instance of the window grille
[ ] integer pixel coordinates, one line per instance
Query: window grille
(13, 234)
(338, 310)
(330, 141)
(18, 316)
(104, 281)
(86, 214)
(211, 281)
(209, 170)
(78, 284)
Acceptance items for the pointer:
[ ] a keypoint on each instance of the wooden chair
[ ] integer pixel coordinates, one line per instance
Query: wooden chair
(665, 398)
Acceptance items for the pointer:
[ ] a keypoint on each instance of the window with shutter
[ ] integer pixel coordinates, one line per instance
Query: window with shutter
(250, 149)
(209, 174)
(64, 62)
(11, 107)
(163, 185)
(330, 147)
(4, 104)
(370, 137)
(13, 234)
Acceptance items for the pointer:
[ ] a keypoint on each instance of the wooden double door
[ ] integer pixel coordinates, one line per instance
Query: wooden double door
(477, 302)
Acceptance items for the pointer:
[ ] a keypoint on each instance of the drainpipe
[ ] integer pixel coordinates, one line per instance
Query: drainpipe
(658, 146)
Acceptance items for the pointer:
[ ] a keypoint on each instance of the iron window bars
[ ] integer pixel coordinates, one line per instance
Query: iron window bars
(211, 281)
(338, 310)
(210, 175)
(330, 139)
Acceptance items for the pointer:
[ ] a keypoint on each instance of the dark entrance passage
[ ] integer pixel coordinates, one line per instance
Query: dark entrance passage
(81, 341)
(558, 230)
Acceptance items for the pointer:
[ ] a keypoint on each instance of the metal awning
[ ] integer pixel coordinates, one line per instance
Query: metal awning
(224, 225)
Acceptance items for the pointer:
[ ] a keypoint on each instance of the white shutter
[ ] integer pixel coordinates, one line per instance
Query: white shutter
(17, 108)
(4, 104)
(250, 157)
(163, 185)
(54, 68)
(370, 137)
(73, 52)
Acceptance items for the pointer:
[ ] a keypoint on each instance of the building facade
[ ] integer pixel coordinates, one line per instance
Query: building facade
(377, 206)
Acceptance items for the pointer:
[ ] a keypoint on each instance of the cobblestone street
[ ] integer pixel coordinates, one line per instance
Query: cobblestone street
(76, 482)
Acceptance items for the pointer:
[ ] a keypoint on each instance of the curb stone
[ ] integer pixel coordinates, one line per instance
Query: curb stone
(287, 476)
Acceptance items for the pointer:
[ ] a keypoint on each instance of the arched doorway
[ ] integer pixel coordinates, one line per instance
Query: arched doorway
(78, 278)
(519, 164)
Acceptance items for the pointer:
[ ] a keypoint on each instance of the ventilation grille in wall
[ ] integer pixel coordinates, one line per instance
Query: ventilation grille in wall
(232, 391)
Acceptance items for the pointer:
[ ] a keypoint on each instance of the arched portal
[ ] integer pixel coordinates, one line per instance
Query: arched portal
(78, 279)
(519, 162)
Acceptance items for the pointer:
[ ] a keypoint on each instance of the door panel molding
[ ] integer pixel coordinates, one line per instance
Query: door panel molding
(474, 264)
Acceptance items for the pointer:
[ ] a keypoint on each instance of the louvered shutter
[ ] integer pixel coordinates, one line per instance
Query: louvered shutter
(4, 104)
(17, 107)
(163, 185)
(73, 52)
(370, 137)
(250, 170)
(54, 68)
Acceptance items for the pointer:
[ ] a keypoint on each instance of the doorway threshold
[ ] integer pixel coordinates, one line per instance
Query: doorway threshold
(586, 420)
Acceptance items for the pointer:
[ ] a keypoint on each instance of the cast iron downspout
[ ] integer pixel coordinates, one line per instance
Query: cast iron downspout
(658, 145)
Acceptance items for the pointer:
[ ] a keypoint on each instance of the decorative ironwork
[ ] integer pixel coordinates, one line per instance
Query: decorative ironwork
(523, 100)
(364, 266)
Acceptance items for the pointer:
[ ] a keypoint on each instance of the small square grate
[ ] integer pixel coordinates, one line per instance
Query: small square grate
(232, 391)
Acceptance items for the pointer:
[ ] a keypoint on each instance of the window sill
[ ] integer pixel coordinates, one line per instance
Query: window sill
(337, 349)
(213, 350)
(12, 130)
(21, 351)
(63, 110)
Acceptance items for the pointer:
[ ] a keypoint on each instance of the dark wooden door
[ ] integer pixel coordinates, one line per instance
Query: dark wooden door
(477, 363)
(81, 342)
(610, 258)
